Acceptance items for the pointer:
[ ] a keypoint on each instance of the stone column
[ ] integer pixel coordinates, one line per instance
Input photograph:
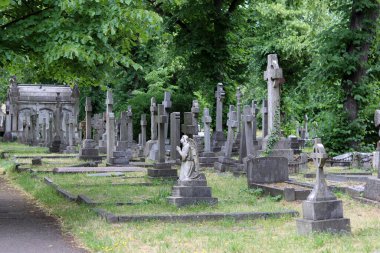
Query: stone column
(44, 132)
(274, 77)
(129, 127)
(255, 110)
(264, 112)
(88, 110)
(175, 134)
(153, 123)
(143, 124)
(207, 130)
(219, 95)
(167, 105)
(248, 118)
(238, 109)
(161, 120)
(110, 135)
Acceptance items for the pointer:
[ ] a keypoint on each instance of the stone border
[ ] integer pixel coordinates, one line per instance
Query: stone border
(367, 201)
(288, 193)
(112, 218)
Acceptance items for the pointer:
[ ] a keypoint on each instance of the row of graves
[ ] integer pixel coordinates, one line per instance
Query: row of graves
(265, 161)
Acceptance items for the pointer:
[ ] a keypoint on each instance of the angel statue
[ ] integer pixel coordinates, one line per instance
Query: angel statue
(190, 161)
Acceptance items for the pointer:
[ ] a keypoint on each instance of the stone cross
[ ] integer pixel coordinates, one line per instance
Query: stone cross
(255, 111)
(219, 95)
(188, 126)
(238, 109)
(247, 119)
(110, 135)
(232, 124)
(162, 119)
(88, 109)
(274, 77)
(195, 111)
(109, 105)
(129, 127)
(143, 124)
(175, 134)
(153, 122)
(167, 105)
(264, 112)
(109, 101)
(320, 191)
(207, 129)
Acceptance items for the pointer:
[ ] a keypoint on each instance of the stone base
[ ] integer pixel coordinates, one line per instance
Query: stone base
(218, 140)
(162, 170)
(102, 150)
(182, 201)
(372, 189)
(55, 146)
(70, 150)
(89, 154)
(341, 225)
(322, 210)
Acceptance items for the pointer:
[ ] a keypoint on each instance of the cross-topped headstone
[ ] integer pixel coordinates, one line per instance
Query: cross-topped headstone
(219, 95)
(207, 129)
(320, 191)
(167, 105)
(88, 110)
(195, 111)
(274, 77)
(264, 112)
(129, 126)
(247, 119)
(232, 124)
(162, 119)
(153, 122)
(143, 124)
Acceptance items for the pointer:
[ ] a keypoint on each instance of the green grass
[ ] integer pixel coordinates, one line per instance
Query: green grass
(14, 148)
(272, 235)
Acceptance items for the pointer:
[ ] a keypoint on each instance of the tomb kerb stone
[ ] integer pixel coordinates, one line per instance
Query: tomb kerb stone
(274, 77)
(218, 136)
(322, 212)
(372, 187)
(175, 134)
(161, 168)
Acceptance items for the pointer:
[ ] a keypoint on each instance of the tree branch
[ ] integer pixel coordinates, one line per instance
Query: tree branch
(233, 6)
(24, 17)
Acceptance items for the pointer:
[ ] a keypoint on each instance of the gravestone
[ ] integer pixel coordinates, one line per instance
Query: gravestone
(44, 132)
(372, 188)
(322, 212)
(142, 136)
(167, 105)
(110, 128)
(119, 156)
(151, 148)
(255, 111)
(264, 112)
(56, 143)
(195, 112)
(129, 127)
(188, 127)
(274, 77)
(33, 129)
(50, 132)
(218, 138)
(71, 148)
(207, 158)
(191, 186)
(161, 167)
(238, 112)
(266, 170)
(306, 119)
(88, 150)
(175, 134)
(225, 163)
(103, 139)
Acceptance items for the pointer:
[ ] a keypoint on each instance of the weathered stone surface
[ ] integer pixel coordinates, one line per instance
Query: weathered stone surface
(97, 169)
(37, 161)
(372, 189)
(162, 170)
(341, 225)
(183, 201)
(322, 210)
(267, 170)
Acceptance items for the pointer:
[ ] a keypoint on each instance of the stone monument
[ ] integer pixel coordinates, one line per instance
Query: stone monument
(191, 186)
(322, 212)
(218, 137)
(207, 158)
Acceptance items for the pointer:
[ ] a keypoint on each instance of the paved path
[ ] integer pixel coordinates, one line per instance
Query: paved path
(24, 228)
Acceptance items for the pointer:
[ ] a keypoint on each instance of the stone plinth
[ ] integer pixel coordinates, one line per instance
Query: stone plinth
(55, 145)
(267, 170)
(89, 151)
(218, 140)
(162, 170)
(207, 159)
(192, 192)
(226, 164)
(372, 189)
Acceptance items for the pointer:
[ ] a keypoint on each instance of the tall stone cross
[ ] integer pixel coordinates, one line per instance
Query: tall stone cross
(109, 101)
(167, 105)
(110, 124)
(238, 109)
(232, 124)
(129, 127)
(320, 191)
(264, 112)
(255, 110)
(88, 109)
(143, 124)
(219, 95)
(153, 121)
(162, 119)
(207, 129)
(175, 134)
(195, 111)
(274, 77)
(247, 119)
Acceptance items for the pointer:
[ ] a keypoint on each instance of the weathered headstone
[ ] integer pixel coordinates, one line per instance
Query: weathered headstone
(255, 110)
(188, 127)
(110, 128)
(71, 148)
(238, 111)
(274, 77)
(195, 112)
(57, 139)
(143, 124)
(266, 170)
(306, 119)
(175, 134)
(153, 122)
(207, 158)
(218, 135)
(129, 127)
(167, 105)
(322, 212)
(88, 150)
(161, 168)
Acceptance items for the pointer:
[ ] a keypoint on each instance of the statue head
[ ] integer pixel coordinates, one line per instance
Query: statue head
(184, 139)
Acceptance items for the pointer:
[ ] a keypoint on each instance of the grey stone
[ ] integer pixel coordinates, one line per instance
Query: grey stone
(305, 227)
(218, 136)
(322, 210)
(37, 161)
(267, 170)
(372, 189)
(175, 135)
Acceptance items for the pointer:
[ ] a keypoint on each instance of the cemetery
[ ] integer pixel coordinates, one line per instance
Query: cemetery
(179, 126)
